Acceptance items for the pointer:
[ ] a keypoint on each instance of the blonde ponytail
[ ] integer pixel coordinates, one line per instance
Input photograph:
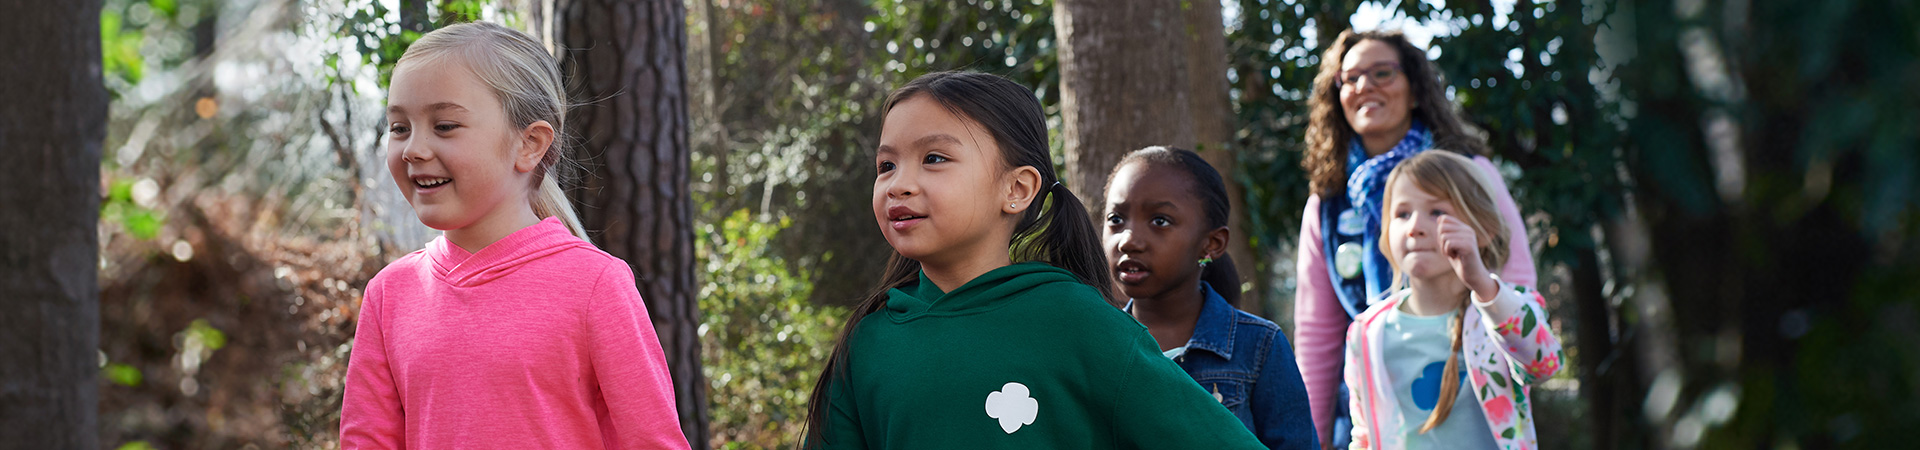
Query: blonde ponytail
(526, 79)
(551, 201)
(1449, 384)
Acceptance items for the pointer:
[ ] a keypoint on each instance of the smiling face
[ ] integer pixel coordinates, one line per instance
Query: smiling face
(1380, 104)
(1413, 230)
(941, 189)
(1156, 231)
(451, 149)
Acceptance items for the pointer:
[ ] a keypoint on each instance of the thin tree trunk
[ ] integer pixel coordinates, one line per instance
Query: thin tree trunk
(413, 16)
(629, 60)
(1597, 380)
(1123, 85)
(705, 61)
(1213, 126)
(51, 130)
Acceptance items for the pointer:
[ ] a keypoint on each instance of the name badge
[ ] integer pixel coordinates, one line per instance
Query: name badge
(1346, 260)
(1351, 223)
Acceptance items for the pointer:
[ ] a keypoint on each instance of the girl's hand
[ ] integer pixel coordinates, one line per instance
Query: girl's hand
(1462, 248)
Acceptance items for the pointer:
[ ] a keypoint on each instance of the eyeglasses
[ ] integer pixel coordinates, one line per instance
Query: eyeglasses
(1380, 73)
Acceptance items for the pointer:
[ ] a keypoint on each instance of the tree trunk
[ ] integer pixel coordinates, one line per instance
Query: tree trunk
(51, 131)
(1213, 127)
(1123, 85)
(1598, 380)
(628, 59)
(413, 16)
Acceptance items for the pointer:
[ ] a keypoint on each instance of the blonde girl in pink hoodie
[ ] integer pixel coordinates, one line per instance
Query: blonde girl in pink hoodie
(510, 331)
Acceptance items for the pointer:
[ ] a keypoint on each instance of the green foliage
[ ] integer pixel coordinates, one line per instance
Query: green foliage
(1271, 68)
(122, 374)
(120, 51)
(1774, 146)
(205, 335)
(376, 34)
(1012, 38)
(379, 37)
(139, 37)
(1531, 85)
(121, 208)
(764, 343)
(460, 11)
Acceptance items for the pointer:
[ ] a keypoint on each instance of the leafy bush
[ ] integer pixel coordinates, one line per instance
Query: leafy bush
(762, 341)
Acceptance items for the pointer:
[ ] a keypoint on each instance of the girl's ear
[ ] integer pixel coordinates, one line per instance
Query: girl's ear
(1216, 243)
(1023, 187)
(534, 142)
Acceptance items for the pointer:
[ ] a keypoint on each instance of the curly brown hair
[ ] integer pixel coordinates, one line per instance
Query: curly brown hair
(1328, 131)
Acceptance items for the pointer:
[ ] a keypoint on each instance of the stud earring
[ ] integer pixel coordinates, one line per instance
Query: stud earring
(1204, 261)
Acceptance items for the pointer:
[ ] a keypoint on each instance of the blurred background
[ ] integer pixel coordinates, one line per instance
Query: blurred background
(1720, 194)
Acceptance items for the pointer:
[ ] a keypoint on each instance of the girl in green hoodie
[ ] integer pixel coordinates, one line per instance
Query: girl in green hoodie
(990, 327)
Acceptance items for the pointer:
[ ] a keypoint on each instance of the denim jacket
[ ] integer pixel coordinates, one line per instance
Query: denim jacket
(1248, 365)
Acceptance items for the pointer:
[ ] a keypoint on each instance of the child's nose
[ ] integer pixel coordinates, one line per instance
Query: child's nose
(414, 150)
(1421, 226)
(1128, 242)
(902, 184)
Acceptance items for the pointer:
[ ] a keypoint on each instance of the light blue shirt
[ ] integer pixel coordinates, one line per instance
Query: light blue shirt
(1415, 349)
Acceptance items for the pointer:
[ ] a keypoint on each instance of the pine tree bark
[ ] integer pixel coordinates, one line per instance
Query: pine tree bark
(628, 58)
(51, 130)
(1123, 85)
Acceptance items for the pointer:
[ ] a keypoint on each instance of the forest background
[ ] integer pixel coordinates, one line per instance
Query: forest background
(1720, 193)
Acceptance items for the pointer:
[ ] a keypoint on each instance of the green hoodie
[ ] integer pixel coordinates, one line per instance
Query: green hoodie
(1022, 357)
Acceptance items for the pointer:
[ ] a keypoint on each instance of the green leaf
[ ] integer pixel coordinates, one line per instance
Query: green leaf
(141, 222)
(1497, 378)
(207, 334)
(122, 374)
(168, 7)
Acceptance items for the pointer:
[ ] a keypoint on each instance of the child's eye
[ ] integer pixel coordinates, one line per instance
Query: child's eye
(1438, 213)
(445, 127)
(1161, 222)
(886, 166)
(933, 159)
(397, 129)
(1399, 214)
(1115, 220)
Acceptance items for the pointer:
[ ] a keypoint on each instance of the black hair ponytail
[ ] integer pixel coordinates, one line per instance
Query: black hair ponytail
(1064, 236)
(1060, 232)
(1224, 278)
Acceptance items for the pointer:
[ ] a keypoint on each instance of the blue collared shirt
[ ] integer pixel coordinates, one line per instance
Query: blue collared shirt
(1248, 364)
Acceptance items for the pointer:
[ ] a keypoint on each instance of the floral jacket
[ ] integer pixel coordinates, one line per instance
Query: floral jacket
(1510, 351)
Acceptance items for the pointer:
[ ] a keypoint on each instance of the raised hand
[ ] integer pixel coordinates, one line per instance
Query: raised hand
(1462, 247)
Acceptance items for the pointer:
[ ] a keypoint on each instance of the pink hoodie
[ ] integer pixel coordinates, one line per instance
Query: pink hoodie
(537, 341)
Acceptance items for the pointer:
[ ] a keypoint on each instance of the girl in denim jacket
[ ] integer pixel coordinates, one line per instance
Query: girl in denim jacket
(1448, 321)
(1166, 238)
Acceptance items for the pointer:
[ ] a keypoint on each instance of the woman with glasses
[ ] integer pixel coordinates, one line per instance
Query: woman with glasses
(1376, 101)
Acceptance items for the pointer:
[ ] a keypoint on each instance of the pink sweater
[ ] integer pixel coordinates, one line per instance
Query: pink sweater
(537, 341)
(1320, 324)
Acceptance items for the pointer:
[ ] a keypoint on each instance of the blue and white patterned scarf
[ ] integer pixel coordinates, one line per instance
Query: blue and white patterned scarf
(1363, 274)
